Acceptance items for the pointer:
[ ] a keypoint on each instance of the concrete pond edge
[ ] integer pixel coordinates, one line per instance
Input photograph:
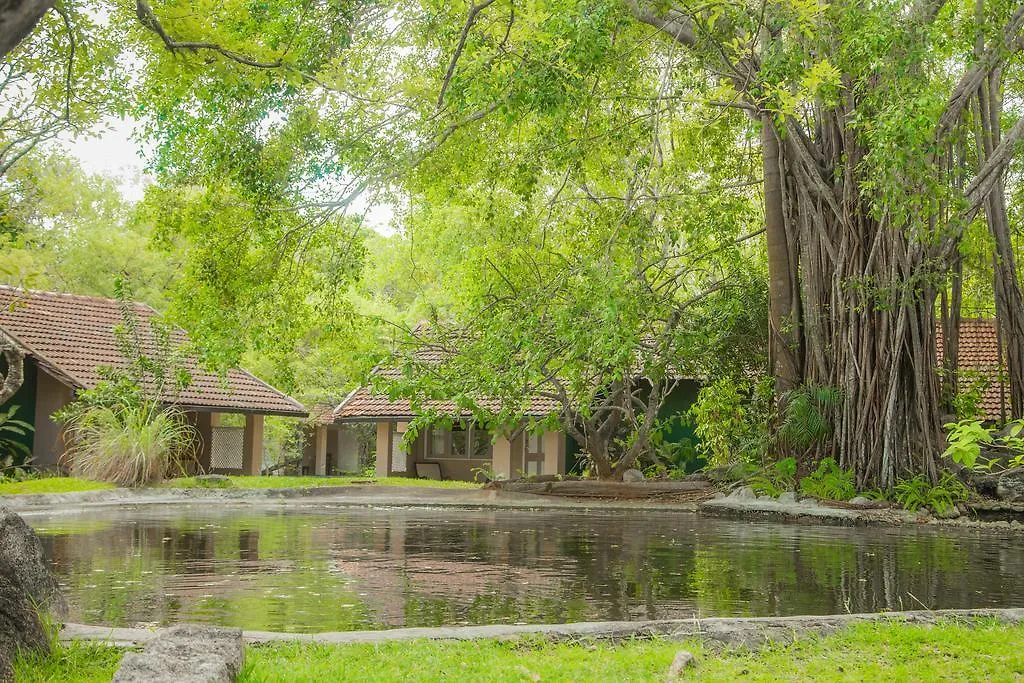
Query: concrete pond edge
(732, 631)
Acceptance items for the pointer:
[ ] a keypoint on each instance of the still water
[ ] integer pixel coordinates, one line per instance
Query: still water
(308, 569)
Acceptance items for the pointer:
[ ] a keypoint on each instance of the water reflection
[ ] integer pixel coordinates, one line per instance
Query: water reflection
(319, 569)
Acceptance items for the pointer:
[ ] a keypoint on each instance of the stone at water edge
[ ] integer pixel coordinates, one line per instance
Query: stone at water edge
(187, 653)
(632, 476)
(683, 660)
(743, 493)
(861, 502)
(787, 497)
(28, 592)
(1011, 486)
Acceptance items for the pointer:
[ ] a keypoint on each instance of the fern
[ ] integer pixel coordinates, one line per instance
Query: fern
(829, 481)
(805, 418)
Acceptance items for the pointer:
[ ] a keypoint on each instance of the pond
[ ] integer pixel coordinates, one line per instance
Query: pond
(320, 568)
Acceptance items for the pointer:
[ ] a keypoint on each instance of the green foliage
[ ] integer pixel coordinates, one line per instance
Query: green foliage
(732, 421)
(775, 479)
(130, 445)
(829, 481)
(674, 458)
(806, 416)
(918, 492)
(14, 454)
(966, 439)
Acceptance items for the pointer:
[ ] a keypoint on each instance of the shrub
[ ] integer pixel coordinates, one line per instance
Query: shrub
(775, 479)
(829, 481)
(918, 492)
(966, 439)
(130, 445)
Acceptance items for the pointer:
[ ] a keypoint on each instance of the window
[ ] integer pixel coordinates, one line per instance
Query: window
(481, 444)
(459, 443)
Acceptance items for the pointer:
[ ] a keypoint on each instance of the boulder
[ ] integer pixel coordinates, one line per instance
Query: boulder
(787, 497)
(187, 653)
(632, 476)
(743, 493)
(1010, 486)
(29, 595)
(861, 502)
(682, 661)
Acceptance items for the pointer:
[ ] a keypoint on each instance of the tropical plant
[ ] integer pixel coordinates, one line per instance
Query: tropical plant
(806, 415)
(13, 451)
(829, 481)
(130, 445)
(967, 438)
(775, 479)
(919, 492)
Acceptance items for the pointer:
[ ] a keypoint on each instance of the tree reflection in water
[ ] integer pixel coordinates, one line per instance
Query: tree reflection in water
(325, 569)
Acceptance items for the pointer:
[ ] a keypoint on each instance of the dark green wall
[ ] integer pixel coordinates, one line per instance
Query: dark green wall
(25, 399)
(677, 402)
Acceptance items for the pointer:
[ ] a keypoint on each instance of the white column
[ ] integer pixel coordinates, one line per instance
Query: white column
(501, 458)
(383, 449)
(252, 445)
(320, 461)
(554, 453)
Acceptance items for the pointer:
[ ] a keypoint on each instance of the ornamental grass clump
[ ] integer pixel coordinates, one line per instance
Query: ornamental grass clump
(131, 445)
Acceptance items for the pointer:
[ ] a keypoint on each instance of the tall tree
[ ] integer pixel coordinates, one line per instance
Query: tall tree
(881, 140)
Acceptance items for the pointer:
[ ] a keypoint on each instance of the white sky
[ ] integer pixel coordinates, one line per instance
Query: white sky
(110, 150)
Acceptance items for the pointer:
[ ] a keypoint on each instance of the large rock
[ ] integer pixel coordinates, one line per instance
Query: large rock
(632, 476)
(1010, 486)
(186, 654)
(29, 595)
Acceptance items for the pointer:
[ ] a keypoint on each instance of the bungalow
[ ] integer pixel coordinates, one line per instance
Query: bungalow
(68, 338)
(460, 452)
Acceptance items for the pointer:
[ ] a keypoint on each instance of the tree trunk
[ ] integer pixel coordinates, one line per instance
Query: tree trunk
(14, 375)
(1008, 298)
(784, 347)
(17, 19)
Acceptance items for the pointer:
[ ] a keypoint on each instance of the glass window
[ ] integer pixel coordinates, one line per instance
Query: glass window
(438, 443)
(481, 444)
(533, 444)
(460, 442)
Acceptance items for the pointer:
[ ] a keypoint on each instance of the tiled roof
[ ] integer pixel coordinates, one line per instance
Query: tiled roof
(364, 404)
(979, 350)
(72, 337)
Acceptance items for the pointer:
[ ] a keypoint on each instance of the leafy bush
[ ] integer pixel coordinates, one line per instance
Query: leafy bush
(829, 481)
(966, 438)
(14, 454)
(775, 479)
(918, 492)
(131, 445)
(732, 419)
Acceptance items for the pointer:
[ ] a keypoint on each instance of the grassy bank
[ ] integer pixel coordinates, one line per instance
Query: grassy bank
(985, 651)
(73, 484)
(314, 482)
(50, 485)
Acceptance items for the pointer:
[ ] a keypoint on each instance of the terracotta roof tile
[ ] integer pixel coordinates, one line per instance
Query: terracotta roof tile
(363, 403)
(72, 336)
(979, 350)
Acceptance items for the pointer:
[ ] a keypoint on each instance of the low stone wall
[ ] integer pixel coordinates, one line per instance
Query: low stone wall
(590, 488)
(732, 631)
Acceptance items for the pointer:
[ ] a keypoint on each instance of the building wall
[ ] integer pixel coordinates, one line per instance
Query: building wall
(51, 396)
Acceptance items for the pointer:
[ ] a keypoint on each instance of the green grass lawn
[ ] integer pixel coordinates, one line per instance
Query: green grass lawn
(51, 485)
(870, 652)
(309, 482)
